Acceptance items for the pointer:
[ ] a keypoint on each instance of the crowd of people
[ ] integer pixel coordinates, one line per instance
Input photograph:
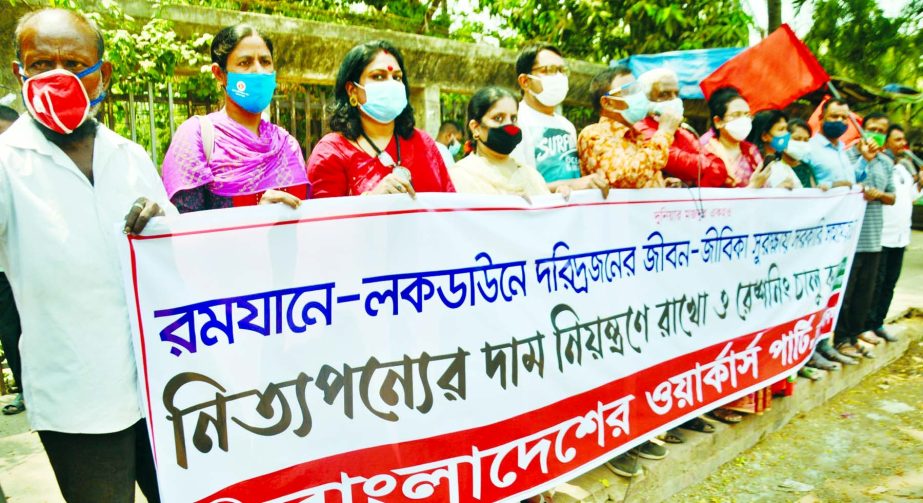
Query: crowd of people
(65, 179)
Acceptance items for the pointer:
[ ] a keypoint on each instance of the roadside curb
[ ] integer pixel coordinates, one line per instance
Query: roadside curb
(702, 454)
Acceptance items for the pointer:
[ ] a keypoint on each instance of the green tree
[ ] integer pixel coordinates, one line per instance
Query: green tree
(145, 56)
(854, 39)
(603, 30)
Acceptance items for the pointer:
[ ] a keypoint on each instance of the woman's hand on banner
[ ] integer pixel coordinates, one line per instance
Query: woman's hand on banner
(393, 184)
(277, 196)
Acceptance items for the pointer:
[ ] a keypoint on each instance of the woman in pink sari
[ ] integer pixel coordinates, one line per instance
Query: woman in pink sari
(727, 139)
(233, 157)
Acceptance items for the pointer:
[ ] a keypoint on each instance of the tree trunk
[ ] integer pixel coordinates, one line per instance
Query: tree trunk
(428, 16)
(774, 9)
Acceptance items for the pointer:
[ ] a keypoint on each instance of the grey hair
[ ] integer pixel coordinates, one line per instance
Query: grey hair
(647, 79)
(77, 16)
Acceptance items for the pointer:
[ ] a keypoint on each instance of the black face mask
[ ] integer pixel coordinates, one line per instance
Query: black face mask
(503, 139)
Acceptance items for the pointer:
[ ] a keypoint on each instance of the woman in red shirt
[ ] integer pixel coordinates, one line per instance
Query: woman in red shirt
(374, 147)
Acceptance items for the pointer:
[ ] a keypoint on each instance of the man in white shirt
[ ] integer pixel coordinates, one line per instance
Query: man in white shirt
(549, 140)
(895, 235)
(66, 183)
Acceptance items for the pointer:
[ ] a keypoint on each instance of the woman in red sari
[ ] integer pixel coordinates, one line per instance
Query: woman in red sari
(374, 147)
(727, 140)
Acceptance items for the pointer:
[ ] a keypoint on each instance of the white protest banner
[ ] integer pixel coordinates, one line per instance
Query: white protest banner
(458, 348)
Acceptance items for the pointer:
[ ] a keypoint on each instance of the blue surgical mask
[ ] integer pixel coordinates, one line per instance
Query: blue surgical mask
(384, 101)
(454, 148)
(638, 107)
(251, 91)
(780, 143)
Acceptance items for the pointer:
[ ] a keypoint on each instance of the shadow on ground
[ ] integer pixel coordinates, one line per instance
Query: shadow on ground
(865, 445)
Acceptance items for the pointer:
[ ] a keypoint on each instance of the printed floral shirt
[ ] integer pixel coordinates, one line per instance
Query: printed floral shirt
(627, 159)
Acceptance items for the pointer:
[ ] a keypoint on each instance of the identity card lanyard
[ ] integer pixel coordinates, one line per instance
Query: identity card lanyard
(386, 160)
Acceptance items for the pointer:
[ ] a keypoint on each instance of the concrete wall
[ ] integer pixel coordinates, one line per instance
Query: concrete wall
(310, 52)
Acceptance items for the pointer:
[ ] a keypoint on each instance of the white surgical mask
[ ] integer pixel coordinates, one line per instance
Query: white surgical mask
(554, 89)
(739, 128)
(675, 105)
(797, 150)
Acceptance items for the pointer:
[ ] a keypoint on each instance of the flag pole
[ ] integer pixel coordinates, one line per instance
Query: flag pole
(913, 156)
(836, 94)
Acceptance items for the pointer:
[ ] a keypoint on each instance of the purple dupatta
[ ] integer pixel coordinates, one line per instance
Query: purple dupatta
(241, 163)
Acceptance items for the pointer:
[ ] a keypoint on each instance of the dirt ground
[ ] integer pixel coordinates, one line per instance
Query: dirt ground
(865, 445)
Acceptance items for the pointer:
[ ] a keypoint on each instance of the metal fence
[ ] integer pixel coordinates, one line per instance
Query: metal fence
(151, 118)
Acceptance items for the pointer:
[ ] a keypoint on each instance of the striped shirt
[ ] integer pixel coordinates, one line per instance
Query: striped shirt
(880, 176)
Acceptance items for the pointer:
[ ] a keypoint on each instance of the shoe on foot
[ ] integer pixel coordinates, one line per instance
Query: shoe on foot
(834, 355)
(726, 416)
(884, 334)
(870, 337)
(625, 465)
(812, 373)
(850, 351)
(819, 362)
(14, 407)
(698, 424)
(674, 436)
(865, 349)
(651, 450)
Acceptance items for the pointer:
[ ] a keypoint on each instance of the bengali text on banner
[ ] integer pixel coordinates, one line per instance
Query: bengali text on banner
(465, 348)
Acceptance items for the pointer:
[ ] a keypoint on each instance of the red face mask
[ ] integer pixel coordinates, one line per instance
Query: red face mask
(58, 100)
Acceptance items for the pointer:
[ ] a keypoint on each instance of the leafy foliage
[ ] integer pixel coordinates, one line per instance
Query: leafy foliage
(603, 30)
(145, 56)
(854, 39)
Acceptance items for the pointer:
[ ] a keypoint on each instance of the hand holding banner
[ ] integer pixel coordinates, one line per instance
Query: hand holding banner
(458, 348)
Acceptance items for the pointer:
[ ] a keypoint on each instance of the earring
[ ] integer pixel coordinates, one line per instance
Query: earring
(353, 101)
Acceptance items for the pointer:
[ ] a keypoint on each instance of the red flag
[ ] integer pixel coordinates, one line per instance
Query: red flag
(772, 73)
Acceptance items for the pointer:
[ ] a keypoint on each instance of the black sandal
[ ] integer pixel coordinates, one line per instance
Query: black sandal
(674, 436)
(726, 416)
(698, 424)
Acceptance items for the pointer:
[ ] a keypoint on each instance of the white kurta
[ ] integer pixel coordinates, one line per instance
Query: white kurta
(58, 237)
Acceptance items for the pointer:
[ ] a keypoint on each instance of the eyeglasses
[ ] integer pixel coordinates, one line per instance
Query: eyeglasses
(550, 70)
(628, 89)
